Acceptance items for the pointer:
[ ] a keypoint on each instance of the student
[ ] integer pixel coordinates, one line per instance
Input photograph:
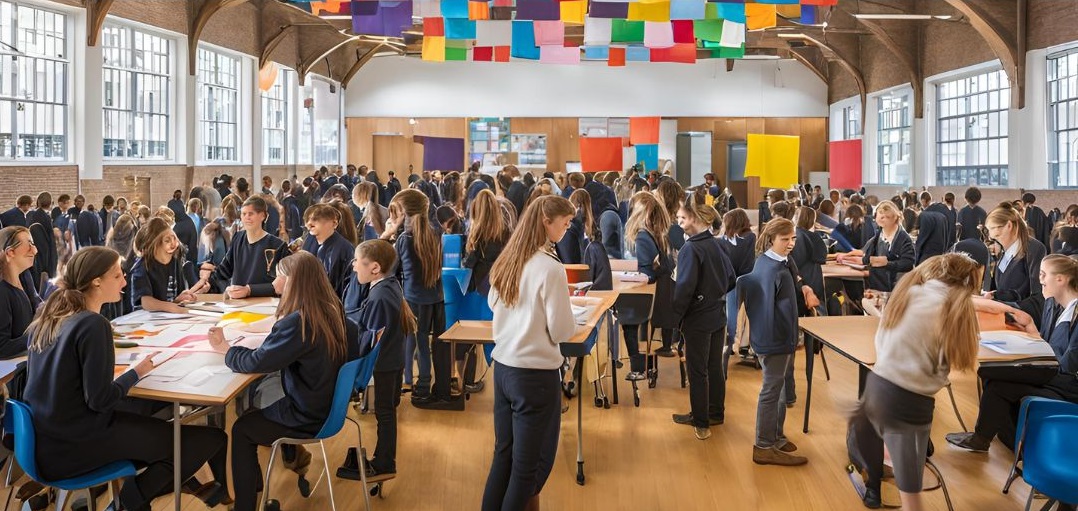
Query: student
(159, 281)
(420, 272)
(18, 298)
(43, 235)
(384, 307)
(1015, 278)
(213, 246)
(331, 248)
(488, 232)
(16, 216)
(809, 254)
(369, 215)
(1065, 229)
(890, 252)
(308, 344)
(532, 315)
(931, 235)
(739, 243)
(854, 231)
(645, 234)
(247, 267)
(1004, 388)
(671, 195)
(570, 247)
(971, 217)
(770, 299)
(73, 392)
(704, 277)
(594, 254)
(928, 330)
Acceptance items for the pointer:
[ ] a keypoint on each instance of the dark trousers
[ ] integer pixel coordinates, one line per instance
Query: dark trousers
(468, 353)
(632, 346)
(249, 432)
(527, 421)
(146, 442)
(430, 320)
(1004, 388)
(707, 381)
(387, 396)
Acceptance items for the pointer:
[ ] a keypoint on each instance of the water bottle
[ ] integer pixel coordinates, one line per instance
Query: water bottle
(170, 292)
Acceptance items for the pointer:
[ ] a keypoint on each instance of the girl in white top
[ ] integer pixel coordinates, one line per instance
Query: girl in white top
(529, 295)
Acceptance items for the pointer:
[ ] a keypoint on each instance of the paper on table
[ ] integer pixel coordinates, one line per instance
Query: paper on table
(1013, 343)
(173, 335)
(143, 316)
(134, 357)
(630, 276)
(184, 364)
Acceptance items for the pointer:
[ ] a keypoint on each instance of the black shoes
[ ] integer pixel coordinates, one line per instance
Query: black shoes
(686, 419)
(666, 352)
(968, 441)
(872, 498)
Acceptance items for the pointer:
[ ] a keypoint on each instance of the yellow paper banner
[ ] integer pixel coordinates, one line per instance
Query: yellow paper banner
(774, 159)
(573, 11)
(649, 11)
(434, 48)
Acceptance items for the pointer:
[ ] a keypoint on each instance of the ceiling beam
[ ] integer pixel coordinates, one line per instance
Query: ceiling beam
(833, 55)
(794, 54)
(96, 10)
(198, 15)
(272, 44)
(364, 60)
(1005, 49)
(906, 59)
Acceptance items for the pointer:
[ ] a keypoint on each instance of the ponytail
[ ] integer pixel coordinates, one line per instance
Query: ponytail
(86, 266)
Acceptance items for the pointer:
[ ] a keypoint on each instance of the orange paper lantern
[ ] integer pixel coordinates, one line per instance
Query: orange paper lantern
(267, 76)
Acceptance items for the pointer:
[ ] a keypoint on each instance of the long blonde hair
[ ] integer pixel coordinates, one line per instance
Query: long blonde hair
(368, 192)
(308, 291)
(647, 215)
(529, 238)
(962, 276)
(414, 204)
(1007, 214)
(487, 222)
(85, 266)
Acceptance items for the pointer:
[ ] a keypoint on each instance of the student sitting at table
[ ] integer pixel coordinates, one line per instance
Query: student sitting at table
(1004, 387)
(18, 298)
(704, 277)
(646, 236)
(383, 308)
(928, 329)
(890, 252)
(739, 242)
(602, 279)
(73, 394)
(331, 248)
(532, 315)
(770, 298)
(247, 269)
(1015, 279)
(308, 344)
(159, 280)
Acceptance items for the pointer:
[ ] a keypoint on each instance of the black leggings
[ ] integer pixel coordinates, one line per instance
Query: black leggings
(249, 432)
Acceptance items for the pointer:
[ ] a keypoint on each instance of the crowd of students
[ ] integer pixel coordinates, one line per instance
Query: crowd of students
(370, 254)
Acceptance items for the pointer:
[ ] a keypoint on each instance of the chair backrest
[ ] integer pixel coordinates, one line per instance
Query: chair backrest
(635, 305)
(352, 374)
(1037, 408)
(19, 421)
(1050, 463)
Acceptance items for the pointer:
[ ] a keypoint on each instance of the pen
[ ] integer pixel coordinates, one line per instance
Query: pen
(238, 339)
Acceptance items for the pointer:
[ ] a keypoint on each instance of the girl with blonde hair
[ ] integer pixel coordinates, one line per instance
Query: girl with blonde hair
(646, 236)
(890, 252)
(1014, 279)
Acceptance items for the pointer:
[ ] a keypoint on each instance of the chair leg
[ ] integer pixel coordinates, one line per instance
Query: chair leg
(1029, 499)
(269, 472)
(826, 371)
(943, 484)
(1013, 475)
(329, 480)
(362, 455)
(61, 499)
(954, 406)
(1048, 505)
(91, 502)
(114, 493)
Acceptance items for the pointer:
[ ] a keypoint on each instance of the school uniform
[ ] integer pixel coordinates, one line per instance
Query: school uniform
(969, 217)
(73, 394)
(950, 221)
(931, 236)
(336, 254)
(741, 250)
(164, 282)
(481, 260)
(1017, 279)
(900, 258)
(602, 279)
(770, 299)
(45, 262)
(854, 237)
(216, 255)
(571, 246)
(1039, 226)
(293, 218)
(273, 220)
(87, 229)
(675, 236)
(658, 267)
(17, 307)
(809, 255)
(428, 305)
(704, 277)
(382, 309)
(250, 264)
(308, 378)
(13, 217)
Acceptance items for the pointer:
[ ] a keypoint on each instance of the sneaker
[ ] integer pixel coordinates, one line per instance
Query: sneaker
(872, 499)
(788, 447)
(968, 441)
(790, 403)
(350, 468)
(435, 403)
(376, 476)
(686, 418)
(666, 352)
(772, 456)
(473, 388)
(702, 433)
(635, 376)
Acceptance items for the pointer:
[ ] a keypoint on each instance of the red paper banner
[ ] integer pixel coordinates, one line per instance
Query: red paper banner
(845, 162)
(600, 154)
(643, 130)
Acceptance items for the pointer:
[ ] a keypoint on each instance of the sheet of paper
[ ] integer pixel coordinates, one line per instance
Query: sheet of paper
(182, 365)
(142, 317)
(202, 383)
(135, 356)
(1014, 343)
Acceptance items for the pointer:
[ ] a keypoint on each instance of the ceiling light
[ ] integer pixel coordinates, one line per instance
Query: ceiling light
(761, 57)
(902, 16)
(336, 17)
(792, 36)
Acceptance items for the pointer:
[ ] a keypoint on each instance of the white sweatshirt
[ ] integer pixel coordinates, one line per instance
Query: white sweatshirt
(527, 335)
(911, 354)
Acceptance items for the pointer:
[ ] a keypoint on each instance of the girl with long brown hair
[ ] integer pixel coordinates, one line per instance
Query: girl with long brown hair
(646, 235)
(331, 248)
(368, 214)
(18, 298)
(1015, 278)
(420, 272)
(593, 252)
(571, 246)
(928, 329)
(159, 280)
(308, 344)
(532, 315)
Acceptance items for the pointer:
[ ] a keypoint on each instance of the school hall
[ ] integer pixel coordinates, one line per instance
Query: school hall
(538, 254)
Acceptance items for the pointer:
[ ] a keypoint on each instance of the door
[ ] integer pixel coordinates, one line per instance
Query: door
(693, 157)
(392, 152)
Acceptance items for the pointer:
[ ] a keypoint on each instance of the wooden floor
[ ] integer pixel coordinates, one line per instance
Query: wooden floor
(637, 459)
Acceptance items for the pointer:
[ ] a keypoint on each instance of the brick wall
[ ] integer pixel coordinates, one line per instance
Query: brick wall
(33, 180)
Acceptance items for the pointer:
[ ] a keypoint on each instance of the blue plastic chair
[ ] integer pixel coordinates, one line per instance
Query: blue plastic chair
(352, 375)
(1050, 463)
(1033, 409)
(19, 421)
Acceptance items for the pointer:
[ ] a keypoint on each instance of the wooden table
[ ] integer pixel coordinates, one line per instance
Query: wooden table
(482, 332)
(834, 270)
(854, 337)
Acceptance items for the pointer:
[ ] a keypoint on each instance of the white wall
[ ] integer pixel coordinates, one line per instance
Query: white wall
(409, 87)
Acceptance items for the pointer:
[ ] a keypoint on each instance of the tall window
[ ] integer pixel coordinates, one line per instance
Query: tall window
(971, 130)
(275, 118)
(137, 99)
(851, 122)
(33, 84)
(218, 106)
(327, 123)
(1063, 119)
(893, 138)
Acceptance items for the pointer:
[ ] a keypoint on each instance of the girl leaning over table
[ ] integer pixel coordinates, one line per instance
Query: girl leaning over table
(532, 315)
(247, 269)
(73, 394)
(159, 280)
(928, 329)
(308, 344)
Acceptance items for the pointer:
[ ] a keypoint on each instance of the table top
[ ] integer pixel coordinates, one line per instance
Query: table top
(482, 332)
(8, 368)
(854, 337)
(841, 271)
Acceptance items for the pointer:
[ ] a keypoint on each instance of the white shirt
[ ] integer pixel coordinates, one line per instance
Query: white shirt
(526, 335)
(1068, 312)
(911, 355)
(1008, 256)
(774, 255)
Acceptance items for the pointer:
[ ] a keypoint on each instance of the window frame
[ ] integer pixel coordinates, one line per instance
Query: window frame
(202, 157)
(906, 125)
(170, 102)
(967, 94)
(287, 108)
(1053, 134)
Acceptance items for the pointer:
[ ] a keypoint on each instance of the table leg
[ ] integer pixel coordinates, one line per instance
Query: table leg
(612, 345)
(810, 348)
(231, 414)
(862, 374)
(580, 427)
(176, 453)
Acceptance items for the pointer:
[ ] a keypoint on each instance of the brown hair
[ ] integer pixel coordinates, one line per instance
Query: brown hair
(527, 239)
(962, 275)
(581, 200)
(735, 223)
(1007, 214)
(150, 236)
(806, 218)
(1062, 265)
(647, 215)
(487, 222)
(315, 300)
(9, 239)
(414, 204)
(773, 228)
(695, 206)
(827, 207)
(381, 252)
(368, 191)
(69, 298)
(671, 195)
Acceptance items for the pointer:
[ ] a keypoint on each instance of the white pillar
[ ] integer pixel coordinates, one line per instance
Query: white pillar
(87, 118)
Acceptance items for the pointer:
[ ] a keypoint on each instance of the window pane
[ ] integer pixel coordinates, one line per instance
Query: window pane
(972, 130)
(218, 105)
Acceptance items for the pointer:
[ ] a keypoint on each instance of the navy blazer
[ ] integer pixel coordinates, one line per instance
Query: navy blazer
(308, 372)
(809, 255)
(950, 225)
(571, 246)
(931, 235)
(13, 217)
(658, 267)
(900, 259)
(88, 228)
(602, 279)
(743, 255)
(704, 277)
(770, 299)
(336, 254)
(17, 308)
(43, 237)
(1021, 283)
(970, 217)
(381, 308)
(409, 273)
(1063, 337)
